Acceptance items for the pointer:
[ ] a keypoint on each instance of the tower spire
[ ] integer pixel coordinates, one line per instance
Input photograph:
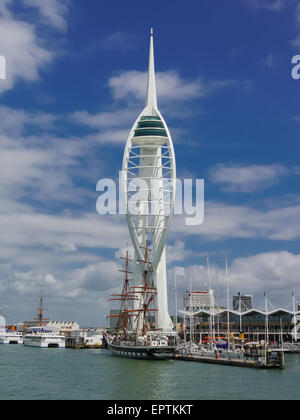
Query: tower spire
(151, 101)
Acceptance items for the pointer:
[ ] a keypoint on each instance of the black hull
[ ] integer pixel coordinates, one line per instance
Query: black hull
(142, 353)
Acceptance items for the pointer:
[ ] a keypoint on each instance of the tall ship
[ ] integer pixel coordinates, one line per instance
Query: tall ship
(136, 333)
(148, 183)
(41, 337)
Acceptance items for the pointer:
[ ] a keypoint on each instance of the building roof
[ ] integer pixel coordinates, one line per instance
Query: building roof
(215, 311)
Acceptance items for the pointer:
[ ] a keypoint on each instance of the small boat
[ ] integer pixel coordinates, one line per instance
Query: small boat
(10, 337)
(44, 339)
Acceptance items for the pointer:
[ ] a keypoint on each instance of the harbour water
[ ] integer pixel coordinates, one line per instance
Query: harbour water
(36, 374)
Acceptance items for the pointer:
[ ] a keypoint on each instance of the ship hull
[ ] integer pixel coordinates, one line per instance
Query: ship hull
(142, 353)
(6, 339)
(45, 342)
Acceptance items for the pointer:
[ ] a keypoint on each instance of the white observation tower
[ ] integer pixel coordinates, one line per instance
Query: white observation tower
(149, 181)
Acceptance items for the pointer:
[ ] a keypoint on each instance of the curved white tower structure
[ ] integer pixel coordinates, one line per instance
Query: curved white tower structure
(149, 181)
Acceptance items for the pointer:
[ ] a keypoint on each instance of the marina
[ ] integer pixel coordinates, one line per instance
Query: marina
(225, 361)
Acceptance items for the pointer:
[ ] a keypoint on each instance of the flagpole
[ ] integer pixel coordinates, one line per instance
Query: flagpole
(210, 302)
(228, 304)
(266, 326)
(295, 319)
(191, 316)
(176, 302)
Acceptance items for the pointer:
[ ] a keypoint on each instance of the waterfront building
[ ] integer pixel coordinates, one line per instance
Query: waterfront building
(85, 338)
(248, 325)
(195, 301)
(62, 327)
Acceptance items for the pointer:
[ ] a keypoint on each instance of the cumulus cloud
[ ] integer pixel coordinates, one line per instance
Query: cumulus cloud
(249, 275)
(177, 252)
(170, 86)
(106, 119)
(225, 221)
(24, 50)
(247, 179)
(24, 54)
(130, 86)
(52, 11)
(15, 121)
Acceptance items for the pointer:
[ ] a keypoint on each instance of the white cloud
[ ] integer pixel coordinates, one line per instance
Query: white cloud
(14, 121)
(247, 179)
(24, 50)
(170, 86)
(277, 272)
(52, 11)
(224, 221)
(4, 8)
(177, 252)
(108, 119)
(25, 56)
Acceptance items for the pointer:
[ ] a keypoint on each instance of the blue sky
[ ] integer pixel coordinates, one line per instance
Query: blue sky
(75, 84)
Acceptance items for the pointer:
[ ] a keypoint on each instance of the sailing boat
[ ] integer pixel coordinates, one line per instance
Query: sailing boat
(136, 335)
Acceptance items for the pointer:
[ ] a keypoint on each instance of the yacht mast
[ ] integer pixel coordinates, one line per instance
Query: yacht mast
(228, 304)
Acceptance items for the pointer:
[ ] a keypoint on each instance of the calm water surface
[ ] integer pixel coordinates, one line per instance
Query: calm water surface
(29, 373)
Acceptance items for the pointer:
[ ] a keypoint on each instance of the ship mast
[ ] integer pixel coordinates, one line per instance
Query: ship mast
(40, 316)
(41, 309)
(148, 293)
(125, 297)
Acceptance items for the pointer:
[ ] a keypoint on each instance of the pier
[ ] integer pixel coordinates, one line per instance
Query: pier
(271, 363)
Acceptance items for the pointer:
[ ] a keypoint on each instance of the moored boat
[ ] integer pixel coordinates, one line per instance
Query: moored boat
(10, 337)
(136, 334)
(151, 346)
(44, 339)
